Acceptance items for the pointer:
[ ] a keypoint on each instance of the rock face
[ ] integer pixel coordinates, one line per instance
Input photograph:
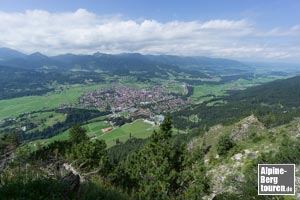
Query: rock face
(72, 182)
(243, 128)
(5, 159)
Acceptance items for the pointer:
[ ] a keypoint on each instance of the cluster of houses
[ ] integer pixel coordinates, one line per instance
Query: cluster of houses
(131, 102)
(138, 101)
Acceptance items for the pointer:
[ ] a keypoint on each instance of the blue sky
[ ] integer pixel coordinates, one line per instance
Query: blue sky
(240, 29)
(266, 13)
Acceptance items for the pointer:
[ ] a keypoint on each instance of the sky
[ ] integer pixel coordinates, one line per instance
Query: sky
(250, 30)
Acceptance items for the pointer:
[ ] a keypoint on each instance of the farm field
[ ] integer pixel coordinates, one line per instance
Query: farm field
(138, 129)
(14, 107)
(94, 129)
(46, 119)
(206, 92)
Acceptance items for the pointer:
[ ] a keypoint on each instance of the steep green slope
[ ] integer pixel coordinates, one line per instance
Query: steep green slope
(252, 142)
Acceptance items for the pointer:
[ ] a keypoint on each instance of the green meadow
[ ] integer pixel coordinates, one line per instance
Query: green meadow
(16, 106)
(138, 129)
(201, 91)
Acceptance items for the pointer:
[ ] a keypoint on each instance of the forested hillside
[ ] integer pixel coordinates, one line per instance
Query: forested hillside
(160, 169)
(18, 82)
(273, 103)
(218, 164)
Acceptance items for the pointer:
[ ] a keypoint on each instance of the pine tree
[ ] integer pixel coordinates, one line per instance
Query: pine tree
(166, 127)
(225, 143)
(154, 171)
(77, 134)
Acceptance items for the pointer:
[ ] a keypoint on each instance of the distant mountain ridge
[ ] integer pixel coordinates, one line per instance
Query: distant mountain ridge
(7, 53)
(196, 61)
(123, 63)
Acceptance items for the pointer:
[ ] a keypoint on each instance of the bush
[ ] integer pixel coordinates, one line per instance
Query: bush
(34, 189)
(225, 143)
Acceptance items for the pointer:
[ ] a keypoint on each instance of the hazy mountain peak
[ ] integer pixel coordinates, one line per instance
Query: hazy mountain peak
(7, 53)
(38, 55)
(130, 54)
(99, 54)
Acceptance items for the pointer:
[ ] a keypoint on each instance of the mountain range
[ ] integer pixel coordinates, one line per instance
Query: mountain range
(123, 63)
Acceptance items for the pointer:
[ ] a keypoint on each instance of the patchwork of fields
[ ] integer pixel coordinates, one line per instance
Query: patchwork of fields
(139, 129)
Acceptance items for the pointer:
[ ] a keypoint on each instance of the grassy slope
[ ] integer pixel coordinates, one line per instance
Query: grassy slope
(257, 140)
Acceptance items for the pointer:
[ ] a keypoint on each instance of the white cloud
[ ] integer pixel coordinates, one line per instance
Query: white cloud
(85, 32)
(225, 24)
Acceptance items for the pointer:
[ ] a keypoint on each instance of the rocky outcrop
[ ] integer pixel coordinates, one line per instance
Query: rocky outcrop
(71, 182)
(243, 127)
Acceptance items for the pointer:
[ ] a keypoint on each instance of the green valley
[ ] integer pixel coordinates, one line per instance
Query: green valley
(133, 126)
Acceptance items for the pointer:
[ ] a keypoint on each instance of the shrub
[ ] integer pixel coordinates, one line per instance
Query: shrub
(225, 143)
